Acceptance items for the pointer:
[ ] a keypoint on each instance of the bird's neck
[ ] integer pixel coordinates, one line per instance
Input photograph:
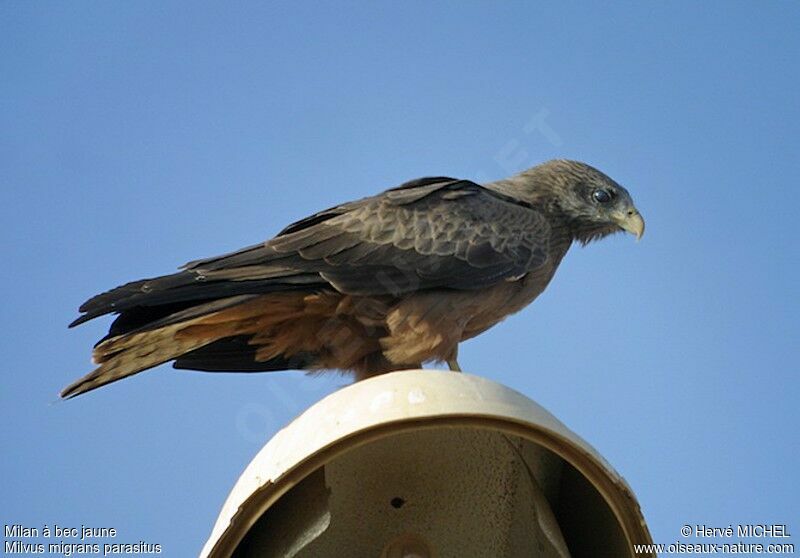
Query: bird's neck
(540, 198)
(588, 232)
(544, 197)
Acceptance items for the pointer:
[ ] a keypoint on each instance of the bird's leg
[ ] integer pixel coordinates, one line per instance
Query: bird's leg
(452, 362)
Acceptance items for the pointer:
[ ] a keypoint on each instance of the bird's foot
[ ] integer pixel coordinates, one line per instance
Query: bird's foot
(453, 364)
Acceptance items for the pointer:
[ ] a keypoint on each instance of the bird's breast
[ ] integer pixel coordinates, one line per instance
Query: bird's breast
(506, 298)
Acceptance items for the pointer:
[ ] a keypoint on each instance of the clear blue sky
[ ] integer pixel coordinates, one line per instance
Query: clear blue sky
(136, 136)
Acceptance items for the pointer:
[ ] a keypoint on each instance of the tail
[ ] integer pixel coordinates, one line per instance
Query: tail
(125, 355)
(253, 333)
(179, 334)
(184, 314)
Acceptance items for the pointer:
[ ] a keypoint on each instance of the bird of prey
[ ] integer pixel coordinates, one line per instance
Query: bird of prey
(375, 285)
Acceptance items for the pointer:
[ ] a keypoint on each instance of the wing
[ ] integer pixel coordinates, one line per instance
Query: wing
(430, 233)
(434, 233)
(455, 235)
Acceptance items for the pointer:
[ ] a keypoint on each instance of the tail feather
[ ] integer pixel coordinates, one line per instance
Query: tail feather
(239, 354)
(126, 355)
(188, 330)
(277, 331)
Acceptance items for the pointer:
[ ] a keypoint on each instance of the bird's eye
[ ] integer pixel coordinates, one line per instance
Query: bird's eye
(602, 196)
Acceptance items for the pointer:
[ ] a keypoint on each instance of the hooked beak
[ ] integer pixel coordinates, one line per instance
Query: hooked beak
(630, 221)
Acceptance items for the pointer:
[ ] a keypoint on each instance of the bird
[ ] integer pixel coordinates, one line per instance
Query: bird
(381, 284)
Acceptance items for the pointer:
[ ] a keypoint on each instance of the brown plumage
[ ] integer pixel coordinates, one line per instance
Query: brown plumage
(379, 284)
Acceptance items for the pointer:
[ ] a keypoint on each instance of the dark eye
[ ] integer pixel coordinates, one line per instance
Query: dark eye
(602, 196)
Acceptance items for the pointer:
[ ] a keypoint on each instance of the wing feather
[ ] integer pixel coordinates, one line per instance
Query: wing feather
(431, 233)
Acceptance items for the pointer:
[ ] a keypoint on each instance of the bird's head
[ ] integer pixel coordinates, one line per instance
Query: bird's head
(593, 204)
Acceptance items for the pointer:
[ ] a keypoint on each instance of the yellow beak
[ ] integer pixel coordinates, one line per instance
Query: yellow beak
(631, 221)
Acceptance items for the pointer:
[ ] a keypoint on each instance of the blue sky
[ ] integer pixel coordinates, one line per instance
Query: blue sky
(137, 136)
